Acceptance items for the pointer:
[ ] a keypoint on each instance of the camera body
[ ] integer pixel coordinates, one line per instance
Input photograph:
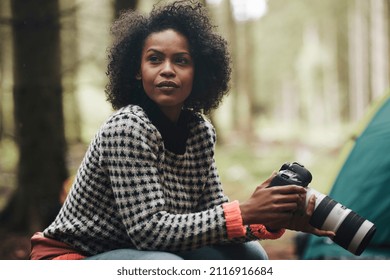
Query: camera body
(353, 232)
(292, 174)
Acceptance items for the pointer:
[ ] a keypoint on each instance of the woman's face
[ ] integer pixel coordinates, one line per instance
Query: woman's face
(167, 71)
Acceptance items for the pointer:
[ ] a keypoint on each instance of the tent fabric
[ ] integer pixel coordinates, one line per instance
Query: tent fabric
(363, 185)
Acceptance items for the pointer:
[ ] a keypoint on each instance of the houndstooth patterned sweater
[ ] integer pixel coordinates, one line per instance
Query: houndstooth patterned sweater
(132, 192)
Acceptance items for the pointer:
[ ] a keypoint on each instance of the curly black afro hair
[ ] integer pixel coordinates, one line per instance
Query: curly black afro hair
(208, 49)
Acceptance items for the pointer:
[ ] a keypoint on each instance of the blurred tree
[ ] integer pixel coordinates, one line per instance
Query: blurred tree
(1, 71)
(387, 5)
(242, 107)
(379, 48)
(222, 16)
(340, 20)
(6, 106)
(279, 44)
(70, 59)
(1, 81)
(38, 115)
(231, 35)
(358, 58)
(245, 79)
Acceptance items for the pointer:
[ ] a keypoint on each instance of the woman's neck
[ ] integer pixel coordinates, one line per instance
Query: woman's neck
(173, 114)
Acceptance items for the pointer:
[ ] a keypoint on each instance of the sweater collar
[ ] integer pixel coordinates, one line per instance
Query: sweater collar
(174, 135)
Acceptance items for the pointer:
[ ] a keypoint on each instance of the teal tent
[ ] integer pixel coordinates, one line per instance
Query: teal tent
(363, 185)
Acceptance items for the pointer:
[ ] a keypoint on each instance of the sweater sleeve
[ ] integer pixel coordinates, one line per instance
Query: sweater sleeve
(131, 158)
(237, 231)
(213, 195)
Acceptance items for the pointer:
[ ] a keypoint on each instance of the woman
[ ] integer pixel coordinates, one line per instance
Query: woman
(148, 187)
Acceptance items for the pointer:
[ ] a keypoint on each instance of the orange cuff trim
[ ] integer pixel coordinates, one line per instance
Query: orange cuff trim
(233, 218)
(70, 256)
(261, 232)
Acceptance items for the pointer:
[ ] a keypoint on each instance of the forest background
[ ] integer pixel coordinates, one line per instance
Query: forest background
(305, 73)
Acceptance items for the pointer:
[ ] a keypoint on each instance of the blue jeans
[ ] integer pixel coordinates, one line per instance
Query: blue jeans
(246, 251)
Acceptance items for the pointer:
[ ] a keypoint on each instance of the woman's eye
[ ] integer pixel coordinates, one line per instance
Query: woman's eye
(154, 59)
(182, 60)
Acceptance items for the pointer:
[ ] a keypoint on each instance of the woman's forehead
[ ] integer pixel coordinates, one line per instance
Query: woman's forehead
(166, 40)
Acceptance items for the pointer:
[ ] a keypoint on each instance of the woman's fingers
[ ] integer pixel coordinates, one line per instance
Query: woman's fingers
(326, 233)
(289, 189)
(309, 212)
(286, 207)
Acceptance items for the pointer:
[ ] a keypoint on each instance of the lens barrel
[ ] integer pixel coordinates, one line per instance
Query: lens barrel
(353, 232)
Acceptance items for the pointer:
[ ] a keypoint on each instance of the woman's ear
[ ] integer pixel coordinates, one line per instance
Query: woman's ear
(138, 76)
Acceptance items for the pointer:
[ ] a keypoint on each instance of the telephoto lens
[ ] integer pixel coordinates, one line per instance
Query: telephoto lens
(352, 232)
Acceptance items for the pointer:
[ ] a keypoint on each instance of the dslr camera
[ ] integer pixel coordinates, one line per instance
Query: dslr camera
(353, 232)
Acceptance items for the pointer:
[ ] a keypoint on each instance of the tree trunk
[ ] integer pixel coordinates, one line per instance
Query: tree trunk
(387, 4)
(1, 82)
(331, 94)
(226, 117)
(2, 69)
(70, 65)
(358, 60)
(243, 99)
(250, 79)
(342, 59)
(231, 23)
(6, 104)
(38, 114)
(379, 49)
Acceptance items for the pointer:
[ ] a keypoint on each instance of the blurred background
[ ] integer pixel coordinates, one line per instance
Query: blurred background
(305, 73)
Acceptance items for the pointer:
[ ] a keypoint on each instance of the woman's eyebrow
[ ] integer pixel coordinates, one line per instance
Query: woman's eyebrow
(154, 50)
(162, 53)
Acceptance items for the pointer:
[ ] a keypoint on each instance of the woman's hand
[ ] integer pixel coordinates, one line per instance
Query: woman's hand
(281, 207)
(273, 207)
(300, 221)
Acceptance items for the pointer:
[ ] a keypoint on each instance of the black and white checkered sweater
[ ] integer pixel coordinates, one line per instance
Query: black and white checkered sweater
(132, 192)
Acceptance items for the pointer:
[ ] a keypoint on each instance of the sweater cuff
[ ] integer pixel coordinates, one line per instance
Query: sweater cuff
(261, 232)
(233, 218)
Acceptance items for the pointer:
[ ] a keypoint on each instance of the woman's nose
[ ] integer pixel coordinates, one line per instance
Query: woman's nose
(167, 70)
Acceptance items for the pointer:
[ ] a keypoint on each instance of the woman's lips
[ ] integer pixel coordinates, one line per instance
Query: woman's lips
(167, 85)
